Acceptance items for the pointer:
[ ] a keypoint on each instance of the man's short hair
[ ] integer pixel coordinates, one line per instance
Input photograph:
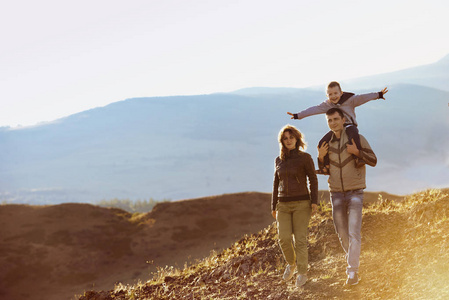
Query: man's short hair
(334, 110)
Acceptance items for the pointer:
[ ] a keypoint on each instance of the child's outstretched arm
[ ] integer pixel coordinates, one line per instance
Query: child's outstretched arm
(313, 110)
(358, 100)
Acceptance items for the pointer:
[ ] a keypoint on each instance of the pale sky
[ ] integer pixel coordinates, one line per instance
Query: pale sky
(62, 57)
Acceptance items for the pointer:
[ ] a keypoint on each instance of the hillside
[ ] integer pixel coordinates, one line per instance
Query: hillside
(55, 252)
(404, 256)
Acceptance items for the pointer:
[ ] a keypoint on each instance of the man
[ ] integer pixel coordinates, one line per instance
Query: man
(346, 184)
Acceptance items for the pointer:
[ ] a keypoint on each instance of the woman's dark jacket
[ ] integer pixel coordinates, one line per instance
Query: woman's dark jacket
(290, 179)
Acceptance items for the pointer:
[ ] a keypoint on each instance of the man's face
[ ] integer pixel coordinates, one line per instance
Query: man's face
(335, 122)
(334, 94)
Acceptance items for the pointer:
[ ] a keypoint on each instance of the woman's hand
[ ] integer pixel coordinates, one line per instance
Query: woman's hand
(273, 213)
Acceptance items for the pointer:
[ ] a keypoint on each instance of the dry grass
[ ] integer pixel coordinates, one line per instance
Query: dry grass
(404, 256)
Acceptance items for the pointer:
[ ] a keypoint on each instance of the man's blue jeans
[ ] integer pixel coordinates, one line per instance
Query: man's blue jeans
(347, 215)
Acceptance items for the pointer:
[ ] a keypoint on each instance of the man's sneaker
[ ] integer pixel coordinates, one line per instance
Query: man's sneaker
(353, 279)
(289, 271)
(301, 280)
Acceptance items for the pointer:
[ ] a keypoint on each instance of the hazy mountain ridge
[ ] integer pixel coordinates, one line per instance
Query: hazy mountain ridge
(191, 146)
(434, 75)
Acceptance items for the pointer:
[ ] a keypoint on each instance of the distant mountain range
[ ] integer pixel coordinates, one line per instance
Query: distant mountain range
(184, 147)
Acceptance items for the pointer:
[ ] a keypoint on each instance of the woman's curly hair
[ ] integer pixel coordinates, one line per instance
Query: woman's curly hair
(300, 142)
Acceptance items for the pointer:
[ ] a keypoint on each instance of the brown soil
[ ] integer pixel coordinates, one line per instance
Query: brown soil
(404, 256)
(56, 252)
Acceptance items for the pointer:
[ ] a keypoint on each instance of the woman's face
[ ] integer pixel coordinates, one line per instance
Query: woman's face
(289, 141)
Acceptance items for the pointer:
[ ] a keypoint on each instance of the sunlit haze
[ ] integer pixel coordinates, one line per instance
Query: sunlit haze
(63, 57)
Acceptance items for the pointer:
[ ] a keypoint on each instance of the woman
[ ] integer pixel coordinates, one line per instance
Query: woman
(291, 202)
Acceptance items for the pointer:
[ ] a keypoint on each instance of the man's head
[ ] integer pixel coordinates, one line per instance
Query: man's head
(335, 120)
(334, 92)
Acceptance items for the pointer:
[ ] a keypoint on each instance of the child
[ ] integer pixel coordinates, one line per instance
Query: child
(347, 102)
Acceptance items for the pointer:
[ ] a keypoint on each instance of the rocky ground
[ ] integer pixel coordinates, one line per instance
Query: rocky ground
(404, 256)
(58, 251)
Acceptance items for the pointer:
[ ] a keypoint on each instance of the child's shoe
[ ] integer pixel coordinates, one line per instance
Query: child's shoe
(359, 162)
(324, 171)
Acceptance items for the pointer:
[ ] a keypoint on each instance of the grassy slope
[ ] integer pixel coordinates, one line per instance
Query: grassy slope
(404, 255)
